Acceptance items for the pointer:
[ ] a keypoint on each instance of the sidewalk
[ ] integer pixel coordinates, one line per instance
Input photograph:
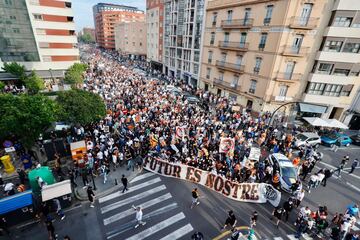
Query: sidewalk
(107, 188)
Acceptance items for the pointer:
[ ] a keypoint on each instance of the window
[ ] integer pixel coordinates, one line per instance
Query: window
(140, 44)
(16, 30)
(221, 76)
(68, 4)
(269, 10)
(332, 90)
(214, 17)
(235, 81)
(208, 72)
(333, 46)
(12, 17)
(229, 15)
(238, 60)
(212, 38)
(223, 57)
(258, 61)
(341, 72)
(315, 88)
(226, 37)
(8, 2)
(252, 86)
(351, 47)
(262, 41)
(37, 16)
(325, 68)
(283, 91)
(346, 90)
(210, 56)
(342, 21)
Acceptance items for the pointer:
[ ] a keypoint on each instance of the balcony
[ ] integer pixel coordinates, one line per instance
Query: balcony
(229, 86)
(236, 46)
(288, 77)
(303, 23)
(237, 23)
(230, 66)
(295, 51)
(282, 99)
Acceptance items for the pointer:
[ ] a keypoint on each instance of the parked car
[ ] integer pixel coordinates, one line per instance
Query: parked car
(307, 138)
(172, 88)
(355, 139)
(192, 99)
(336, 138)
(288, 173)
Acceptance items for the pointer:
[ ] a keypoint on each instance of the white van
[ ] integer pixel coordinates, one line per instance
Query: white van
(307, 138)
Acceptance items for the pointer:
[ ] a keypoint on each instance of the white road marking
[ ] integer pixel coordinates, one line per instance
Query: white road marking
(132, 199)
(142, 176)
(355, 228)
(131, 189)
(278, 238)
(307, 237)
(292, 237)
(158, 227)
(353, 186)
(332, 167)
(131, 211)
(179, 233)
(130, 225)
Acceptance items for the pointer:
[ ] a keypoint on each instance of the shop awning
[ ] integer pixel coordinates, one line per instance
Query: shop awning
(312, 108)
(317, 122)
(336, 124)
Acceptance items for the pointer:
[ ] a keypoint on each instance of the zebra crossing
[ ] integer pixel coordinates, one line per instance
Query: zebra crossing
(164, 220)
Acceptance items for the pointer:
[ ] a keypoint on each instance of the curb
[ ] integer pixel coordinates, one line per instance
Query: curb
(103, 193)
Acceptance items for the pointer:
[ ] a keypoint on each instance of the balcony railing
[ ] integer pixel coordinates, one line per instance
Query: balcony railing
(282, 98)
(230, 66)
(227, 85)
(238, 23)
(288, 77)
(237, 46)
(295, 51)
(303, 22)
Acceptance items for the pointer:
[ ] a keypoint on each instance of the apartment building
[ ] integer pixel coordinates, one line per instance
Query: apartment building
(182, 39)
(38, 34)
(334, 80)
(107, 15)
(257, 53)
(155, 21)
(90, 31)
(130, 38)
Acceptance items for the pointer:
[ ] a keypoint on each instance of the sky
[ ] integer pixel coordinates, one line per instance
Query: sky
(83, 10)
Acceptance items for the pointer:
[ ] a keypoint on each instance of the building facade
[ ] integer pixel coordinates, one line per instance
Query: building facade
(334, 79)
(182, 38)
(38, 34)
(105, 18)
(90, 31)
(155, 21)
(257, 52)
(130, 38)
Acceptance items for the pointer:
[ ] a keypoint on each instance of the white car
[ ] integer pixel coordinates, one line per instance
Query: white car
(307, 138)
(172, 88)
(288, 173)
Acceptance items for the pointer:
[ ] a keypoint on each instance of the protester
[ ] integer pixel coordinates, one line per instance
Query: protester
(125, 183)
(91, 196)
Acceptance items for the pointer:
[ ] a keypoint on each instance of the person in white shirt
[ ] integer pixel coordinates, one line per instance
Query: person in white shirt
(312, 183)
(299, 197)
(139, 216)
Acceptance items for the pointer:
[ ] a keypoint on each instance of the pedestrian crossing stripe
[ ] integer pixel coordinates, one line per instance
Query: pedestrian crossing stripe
(131, 189)
(142, 176)
(179, 233)
(292, 237)
(157, 227)
(132, 199)
(130, 211)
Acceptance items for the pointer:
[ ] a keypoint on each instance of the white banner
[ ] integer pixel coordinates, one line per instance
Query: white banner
(56, 190)
(245, 192)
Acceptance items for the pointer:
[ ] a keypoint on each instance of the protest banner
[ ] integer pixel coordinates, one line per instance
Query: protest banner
(245, 192)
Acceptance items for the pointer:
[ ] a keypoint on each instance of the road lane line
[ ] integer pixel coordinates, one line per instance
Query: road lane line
(157, 227)
(179, 233)
(353, 186)
(292, 237)
(130, 225)
(132, 199)
(131, 189)
(142, 176)
(131, 211)
(278, 238)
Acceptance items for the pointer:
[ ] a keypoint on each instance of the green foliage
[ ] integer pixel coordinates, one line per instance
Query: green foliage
(34, 83)
(2, 86)
(74, 75)
(15, 69)
(79, 106)
(25, 116)
(86, 38)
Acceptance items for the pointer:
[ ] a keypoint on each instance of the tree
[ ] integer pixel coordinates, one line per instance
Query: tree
(34, 83)
(79, 106)
(2, 86)
(25, 116)
(86, 38)
(16, 70)
(74, 74)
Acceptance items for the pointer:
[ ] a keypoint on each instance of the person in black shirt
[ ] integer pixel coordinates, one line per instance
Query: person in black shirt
(125, 183)
(51, 230)
(91, 196)
(278, 213)
(230, 220)
(288, 207)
